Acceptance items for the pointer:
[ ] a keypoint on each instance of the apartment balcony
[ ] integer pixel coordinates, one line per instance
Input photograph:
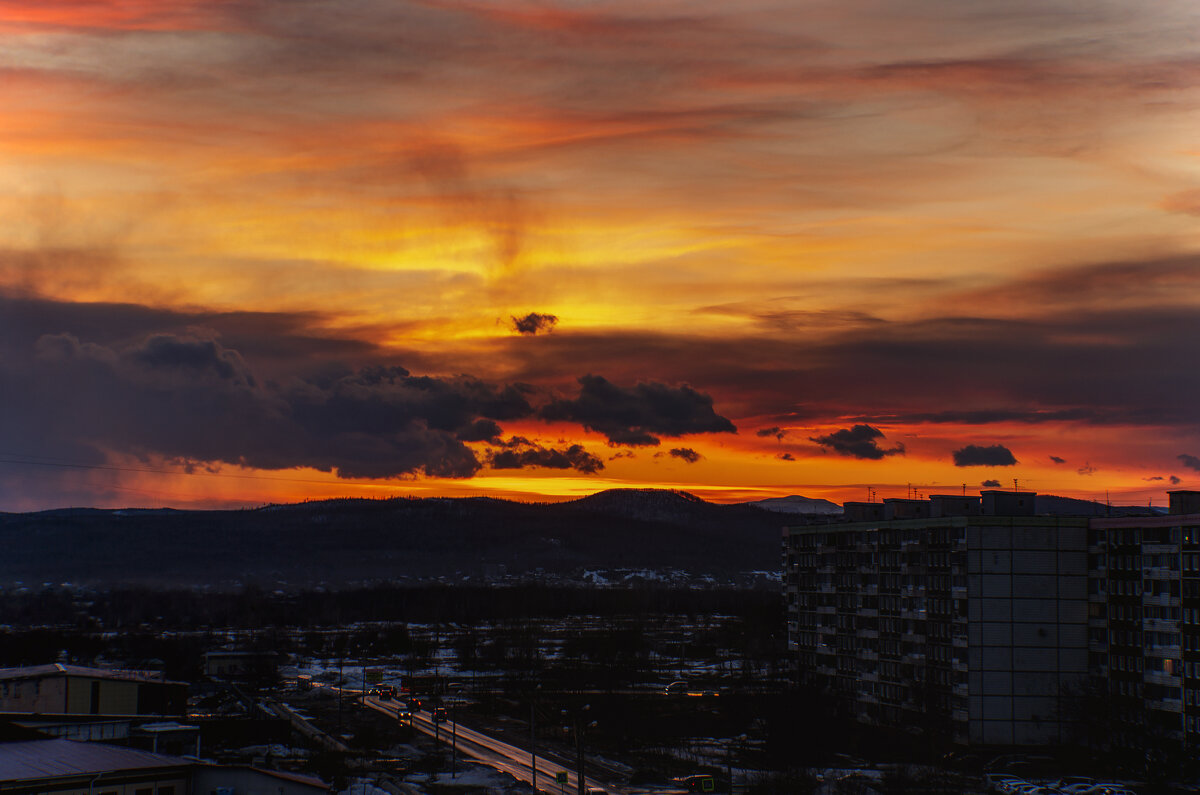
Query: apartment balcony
(1163, 678)
(1166, 705)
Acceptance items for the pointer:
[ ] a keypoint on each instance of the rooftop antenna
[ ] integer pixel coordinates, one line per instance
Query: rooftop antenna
(1015, 486)
(964, 489)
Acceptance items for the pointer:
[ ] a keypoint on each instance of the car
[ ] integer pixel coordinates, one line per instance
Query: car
(414, 704)
(404, 715)
(676, 688)
(384, 692)
(439, 714)
(701, 782)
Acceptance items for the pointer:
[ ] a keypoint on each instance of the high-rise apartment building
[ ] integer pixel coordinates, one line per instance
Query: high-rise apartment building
(964, 616)
(1144, 621)
(977, 619)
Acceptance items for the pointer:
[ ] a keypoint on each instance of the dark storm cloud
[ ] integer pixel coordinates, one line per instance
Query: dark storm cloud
(1175, 481)
(288, 339)
(534, 323)
(786, 457)
(1058, 460)
(189, 357)
(861, 442)
(973, 455)
(990, 484)
(686, 454)
(166, 385)
(194, 399)
(777, 432)
(1086, 469)
(638, 415)
(169, 386)
(1189, 461)
(480, 431)
(1153, 478)
(524, 454)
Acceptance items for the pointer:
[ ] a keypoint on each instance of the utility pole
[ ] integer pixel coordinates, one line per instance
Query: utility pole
(532, 744)
(453, 741)
(579, 755)
(341, 692)
(729, 763)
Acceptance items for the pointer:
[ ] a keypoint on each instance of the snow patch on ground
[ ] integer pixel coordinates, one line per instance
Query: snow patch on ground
(472, 778)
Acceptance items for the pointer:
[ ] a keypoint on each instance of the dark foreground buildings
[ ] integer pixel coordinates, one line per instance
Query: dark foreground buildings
(975, 620)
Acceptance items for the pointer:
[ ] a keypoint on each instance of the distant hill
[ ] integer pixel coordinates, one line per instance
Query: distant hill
(801, 505)
(645, 534)
(336, 542)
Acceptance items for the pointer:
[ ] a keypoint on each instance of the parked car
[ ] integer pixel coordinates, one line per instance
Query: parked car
(439, 714)
(1001, 781)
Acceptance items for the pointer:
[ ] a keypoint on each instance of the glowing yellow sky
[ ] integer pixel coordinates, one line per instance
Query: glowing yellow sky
(953, 223)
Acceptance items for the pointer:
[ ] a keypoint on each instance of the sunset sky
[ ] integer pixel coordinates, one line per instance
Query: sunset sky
(260, 251)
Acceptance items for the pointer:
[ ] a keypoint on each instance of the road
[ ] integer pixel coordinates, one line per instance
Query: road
(495, 753)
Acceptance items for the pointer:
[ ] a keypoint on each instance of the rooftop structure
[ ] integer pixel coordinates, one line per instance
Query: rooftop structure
(66, 767)
(58, 689)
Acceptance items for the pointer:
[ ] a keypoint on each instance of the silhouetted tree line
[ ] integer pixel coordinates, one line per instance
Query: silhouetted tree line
(252, 607)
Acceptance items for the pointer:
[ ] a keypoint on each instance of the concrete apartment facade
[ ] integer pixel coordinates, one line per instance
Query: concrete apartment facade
(962, 616)
(1144, 622)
